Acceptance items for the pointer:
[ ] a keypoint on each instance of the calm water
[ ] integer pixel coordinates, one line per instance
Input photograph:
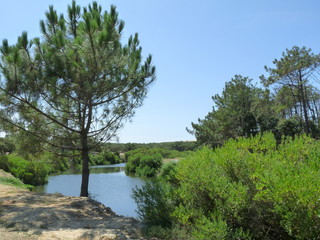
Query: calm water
(107, 184)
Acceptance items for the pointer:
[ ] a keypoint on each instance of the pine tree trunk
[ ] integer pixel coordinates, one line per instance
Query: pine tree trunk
(305, 113)
(85, 167)
(304, 104)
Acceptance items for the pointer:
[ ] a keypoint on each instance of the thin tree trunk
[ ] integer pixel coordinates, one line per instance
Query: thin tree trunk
(306, 116)
(316, 109)
(294, 97)
(303, 101)
(85, 167)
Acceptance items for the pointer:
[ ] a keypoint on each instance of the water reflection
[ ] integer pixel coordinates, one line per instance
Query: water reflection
(108, 168)
(107, 184)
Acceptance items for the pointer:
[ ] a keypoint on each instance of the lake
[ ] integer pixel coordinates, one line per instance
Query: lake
(108, 184)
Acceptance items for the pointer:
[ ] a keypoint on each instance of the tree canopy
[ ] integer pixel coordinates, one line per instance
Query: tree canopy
(231, 115)
(288, 105)
(294, 73)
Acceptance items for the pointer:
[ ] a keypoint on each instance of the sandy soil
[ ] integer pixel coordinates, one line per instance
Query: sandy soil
(25, 215)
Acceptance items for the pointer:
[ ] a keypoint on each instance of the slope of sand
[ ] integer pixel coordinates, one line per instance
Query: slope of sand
(25, 215)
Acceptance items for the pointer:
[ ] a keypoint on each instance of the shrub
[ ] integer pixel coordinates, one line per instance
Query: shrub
(133, 163)
(104, 158)
(135, 152)
(6, 146)
(4, 163)
(248, 189)
(112, 158)
(290, 127)
(154, 203)
(55, 163)
(168, 173)
(144, 165)
(29, 172)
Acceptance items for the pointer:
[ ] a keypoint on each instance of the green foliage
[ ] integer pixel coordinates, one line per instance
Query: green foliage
(57, 163)
(144, 162)
(15, 182)
(5, 164)
(232, 114)
(104, 158)
(29, 172)
(6, 146)
(292, 76)
(27, 145)
(251, 188)
(210, 229)
(154, 203)
(290, 127)
(168, 173)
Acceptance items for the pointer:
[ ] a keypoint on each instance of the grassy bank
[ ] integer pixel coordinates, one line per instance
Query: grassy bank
(8, 179)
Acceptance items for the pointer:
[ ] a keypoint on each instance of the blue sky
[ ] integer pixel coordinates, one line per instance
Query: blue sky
(196, 45)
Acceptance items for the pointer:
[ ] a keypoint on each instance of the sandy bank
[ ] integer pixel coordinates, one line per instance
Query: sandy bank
(26, 215)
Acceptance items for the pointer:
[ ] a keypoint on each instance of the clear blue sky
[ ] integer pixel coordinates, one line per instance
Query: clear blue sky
(197, 46)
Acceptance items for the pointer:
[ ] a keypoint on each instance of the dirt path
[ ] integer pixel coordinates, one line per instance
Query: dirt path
(25, 215)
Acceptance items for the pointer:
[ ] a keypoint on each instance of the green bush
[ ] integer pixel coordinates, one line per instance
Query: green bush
(29, 172)
(133, 163)
(168, 173)
(144, 165)
(112, 158)
(4, 163)
(54, 162)
(154, 203)
(290, 127)
(137, 151)
(104, 158)
(248, 189)
(6, 146)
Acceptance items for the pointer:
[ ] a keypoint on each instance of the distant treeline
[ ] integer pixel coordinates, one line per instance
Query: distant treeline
(178, 146)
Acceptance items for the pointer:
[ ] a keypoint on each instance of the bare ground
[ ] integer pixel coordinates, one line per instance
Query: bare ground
(25, 215)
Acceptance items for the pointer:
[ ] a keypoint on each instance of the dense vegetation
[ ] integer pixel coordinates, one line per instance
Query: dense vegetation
(146, 162)
(104, 158)
(12, 181)
(32, 166)
(29, 172)
(251, 188)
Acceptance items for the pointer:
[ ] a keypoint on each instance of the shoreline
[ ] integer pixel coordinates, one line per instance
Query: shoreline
(28, 215)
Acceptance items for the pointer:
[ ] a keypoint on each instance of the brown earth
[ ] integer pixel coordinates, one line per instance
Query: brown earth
(25, 215)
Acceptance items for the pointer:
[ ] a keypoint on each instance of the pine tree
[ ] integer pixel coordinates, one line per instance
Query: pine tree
(73, 87)
(294, 73)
